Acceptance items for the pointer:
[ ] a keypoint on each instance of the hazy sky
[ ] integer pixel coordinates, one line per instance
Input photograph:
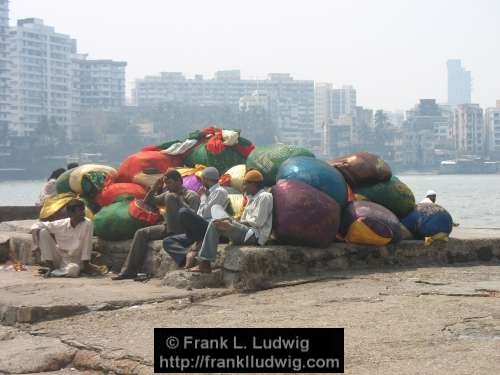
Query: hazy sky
(392, 51)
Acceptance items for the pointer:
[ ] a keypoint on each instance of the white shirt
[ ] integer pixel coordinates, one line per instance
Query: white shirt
(74, 240)
(48, 190)
(216, 195)
(426, 200)
(258, 214)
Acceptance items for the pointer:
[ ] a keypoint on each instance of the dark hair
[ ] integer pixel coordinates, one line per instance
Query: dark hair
(172, 174)
(75, 203)
(56, 173)
(72, 165)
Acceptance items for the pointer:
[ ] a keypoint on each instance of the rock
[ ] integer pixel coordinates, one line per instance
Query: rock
(23, 226)
(18, 245)
(340, 263)
(194, 280)
(23, 353)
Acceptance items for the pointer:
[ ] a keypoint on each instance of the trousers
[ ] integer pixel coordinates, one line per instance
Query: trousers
(236, 234)
(69, 264)
(138, 250)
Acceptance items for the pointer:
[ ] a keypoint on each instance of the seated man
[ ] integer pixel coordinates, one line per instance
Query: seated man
(66, 244)
(430, 197)
(254, 227)
(175, 198)
(195, 223)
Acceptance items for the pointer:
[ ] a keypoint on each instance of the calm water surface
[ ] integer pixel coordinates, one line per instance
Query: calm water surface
(473, 200)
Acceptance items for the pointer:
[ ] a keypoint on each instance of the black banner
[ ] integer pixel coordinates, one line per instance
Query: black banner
(248, 350)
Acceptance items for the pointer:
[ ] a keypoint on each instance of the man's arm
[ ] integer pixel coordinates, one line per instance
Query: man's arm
(154, 196)
(87, 242)
(88, 267)
(218, 197)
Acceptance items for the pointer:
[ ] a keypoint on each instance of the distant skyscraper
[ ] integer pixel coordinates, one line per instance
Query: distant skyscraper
(4, 66)
(459, 83)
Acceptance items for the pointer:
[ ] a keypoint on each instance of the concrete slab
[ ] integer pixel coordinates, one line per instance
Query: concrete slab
(390, 327)
(26, 298)
(23, 353)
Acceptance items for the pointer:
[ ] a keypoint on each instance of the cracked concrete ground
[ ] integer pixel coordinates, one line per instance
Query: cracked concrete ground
(438, 320)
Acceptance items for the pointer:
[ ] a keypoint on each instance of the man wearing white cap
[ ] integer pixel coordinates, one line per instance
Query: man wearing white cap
(430, 197)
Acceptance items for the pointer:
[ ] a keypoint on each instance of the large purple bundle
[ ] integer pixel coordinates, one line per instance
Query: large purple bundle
(368, 223)
(304, 215)
(192, 182)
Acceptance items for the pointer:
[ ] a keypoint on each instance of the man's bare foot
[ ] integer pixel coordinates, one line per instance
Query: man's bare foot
(191, 255)
(203, 267)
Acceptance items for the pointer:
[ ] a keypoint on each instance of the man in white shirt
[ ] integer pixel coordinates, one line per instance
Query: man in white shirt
(66, 244)
(194, 224)
(254, 227)
(430, 197)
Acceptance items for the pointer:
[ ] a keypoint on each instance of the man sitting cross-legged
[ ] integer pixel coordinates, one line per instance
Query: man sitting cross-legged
(66, 244)
(254, 227)
(175, 198)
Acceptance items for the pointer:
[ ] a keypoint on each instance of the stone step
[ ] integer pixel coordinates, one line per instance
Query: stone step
(23, 226)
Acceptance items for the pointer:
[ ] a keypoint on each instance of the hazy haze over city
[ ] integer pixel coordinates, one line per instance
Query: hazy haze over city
(392, 51)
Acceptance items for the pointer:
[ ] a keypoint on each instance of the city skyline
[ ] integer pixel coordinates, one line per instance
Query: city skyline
(391, 61)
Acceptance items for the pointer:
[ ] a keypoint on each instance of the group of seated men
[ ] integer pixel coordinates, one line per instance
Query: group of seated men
(191, 230)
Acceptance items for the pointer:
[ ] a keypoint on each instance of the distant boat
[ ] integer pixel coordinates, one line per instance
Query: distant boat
(468, 166)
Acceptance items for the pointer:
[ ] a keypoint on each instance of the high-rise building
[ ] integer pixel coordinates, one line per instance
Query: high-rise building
(343, 102)
(492, 117)
(41, 76)
(4, 69)
(459, 83)
(291, 102)
(427, 134)
(470, 130)
(100, 83)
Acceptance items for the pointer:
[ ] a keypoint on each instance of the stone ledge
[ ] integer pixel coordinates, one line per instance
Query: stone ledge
(251, 268)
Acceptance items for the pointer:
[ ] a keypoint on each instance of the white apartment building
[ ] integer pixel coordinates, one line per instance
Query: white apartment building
(343, 101)
(470, 130)
(100, 84)
(41, 76)
(4, 72)
(291, 101)
(492, 117)
(258, 99)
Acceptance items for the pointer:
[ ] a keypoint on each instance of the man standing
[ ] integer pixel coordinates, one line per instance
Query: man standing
(175, 198)
(195, 224)
(254, 227)
(66, 244)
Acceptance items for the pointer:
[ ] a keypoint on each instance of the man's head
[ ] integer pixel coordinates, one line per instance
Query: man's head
(252, 182)
(173, 180)
(71, 165)
(210, 176)
(76, 210)
(431, 194)
(56, 173)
